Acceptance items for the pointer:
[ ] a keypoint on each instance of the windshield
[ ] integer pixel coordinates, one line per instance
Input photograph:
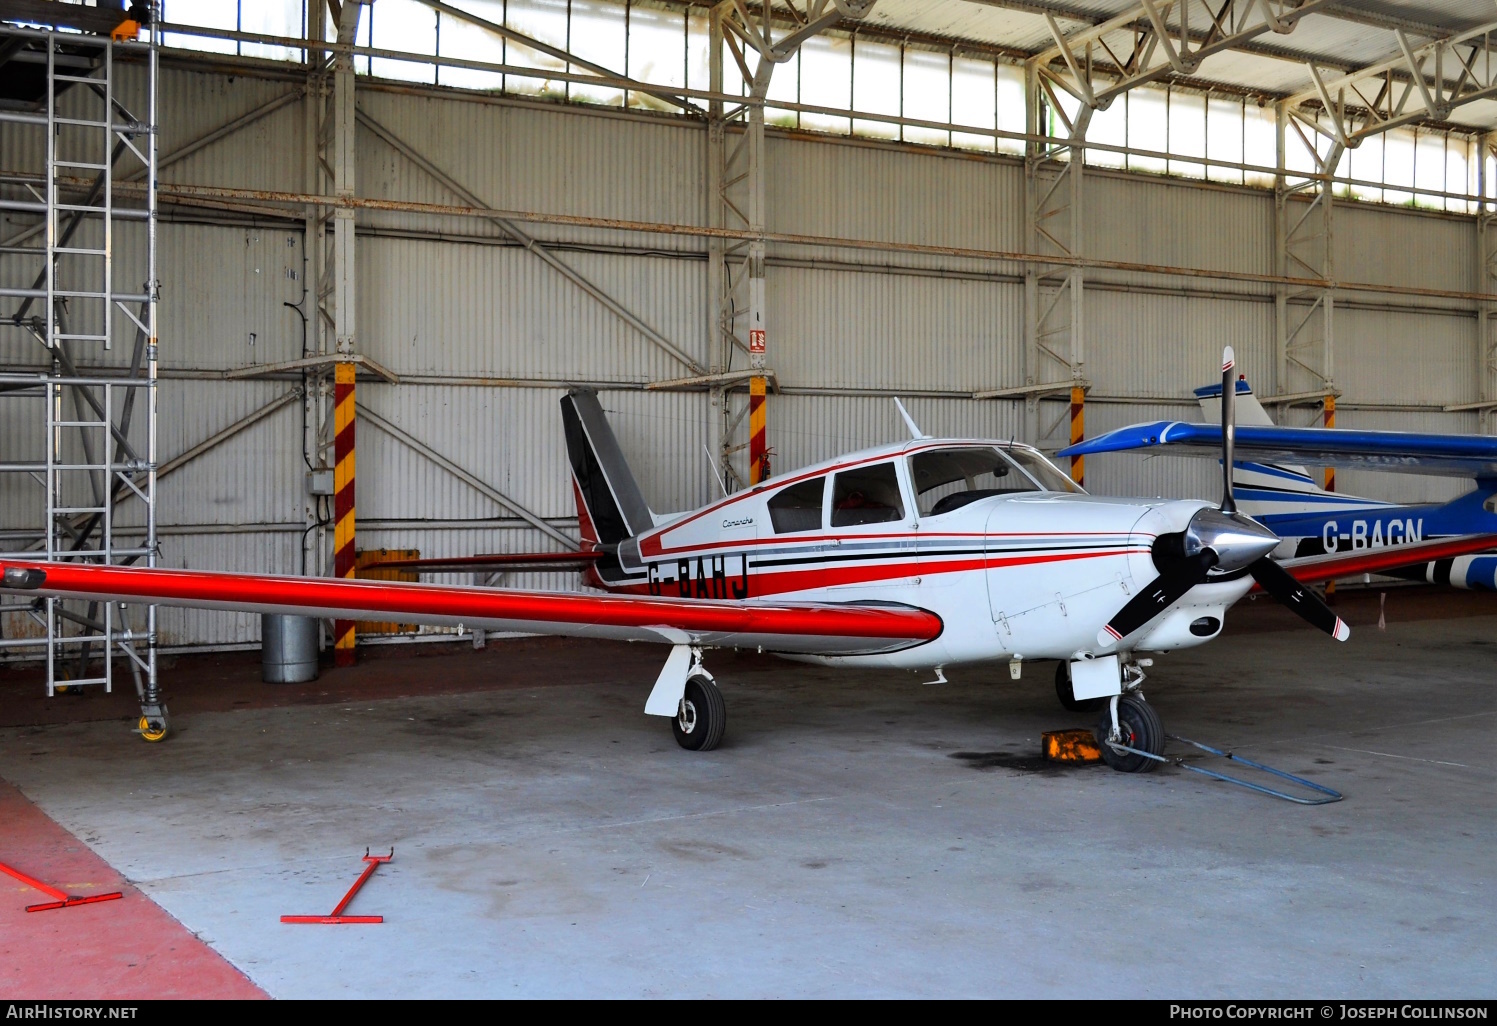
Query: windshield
(948, 479)
(1042, 470)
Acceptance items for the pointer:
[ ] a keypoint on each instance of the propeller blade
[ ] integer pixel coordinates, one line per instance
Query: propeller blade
(1279, 583)
(1229, 427)
(1163, 592)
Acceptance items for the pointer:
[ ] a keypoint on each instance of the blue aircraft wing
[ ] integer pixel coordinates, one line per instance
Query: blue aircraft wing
(1472, 456)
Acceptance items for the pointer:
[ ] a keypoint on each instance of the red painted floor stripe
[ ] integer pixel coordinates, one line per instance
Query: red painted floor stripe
(113, 950)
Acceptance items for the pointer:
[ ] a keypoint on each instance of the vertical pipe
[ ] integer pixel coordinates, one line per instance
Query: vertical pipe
(1483, 283)
(1032, 151)
(343, 502)
(717, 352)
(1281, 252)
(1330, 422)
(152, 687)
(1330, 475)
(1078, 433)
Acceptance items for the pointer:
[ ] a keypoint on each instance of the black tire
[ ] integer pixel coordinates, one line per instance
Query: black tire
(1141, 729)
(699, 724)
(1068, 697)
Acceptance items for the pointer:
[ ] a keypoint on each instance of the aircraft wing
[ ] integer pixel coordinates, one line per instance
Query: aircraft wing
(821, 628)
(1401, 451)
(1335, 565)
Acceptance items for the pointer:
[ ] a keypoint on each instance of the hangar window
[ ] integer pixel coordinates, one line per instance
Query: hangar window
(797, 508)
(867, 495)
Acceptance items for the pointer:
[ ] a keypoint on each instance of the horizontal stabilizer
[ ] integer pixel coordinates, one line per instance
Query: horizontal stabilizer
(1403, 452)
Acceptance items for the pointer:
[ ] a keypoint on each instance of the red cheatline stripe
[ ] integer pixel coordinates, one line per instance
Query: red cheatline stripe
(390, 600)
(1328, 568)
(763, 583)
(650, 546)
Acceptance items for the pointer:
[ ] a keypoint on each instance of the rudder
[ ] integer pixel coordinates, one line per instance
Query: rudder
(610, 506)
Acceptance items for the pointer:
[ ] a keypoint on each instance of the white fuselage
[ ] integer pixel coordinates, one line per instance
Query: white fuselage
(1029, 574)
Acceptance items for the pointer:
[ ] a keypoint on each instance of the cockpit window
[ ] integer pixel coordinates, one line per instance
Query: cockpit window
(1043, 471)
(948, 479)
(866, 495)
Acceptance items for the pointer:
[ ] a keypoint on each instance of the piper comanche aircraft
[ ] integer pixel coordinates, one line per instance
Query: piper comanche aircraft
(922, 555)
(1275, 489)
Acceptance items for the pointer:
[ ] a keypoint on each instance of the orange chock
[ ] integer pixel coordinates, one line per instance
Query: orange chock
(1070, 746)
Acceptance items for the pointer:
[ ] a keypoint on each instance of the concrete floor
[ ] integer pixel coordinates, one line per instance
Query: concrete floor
(858, 834)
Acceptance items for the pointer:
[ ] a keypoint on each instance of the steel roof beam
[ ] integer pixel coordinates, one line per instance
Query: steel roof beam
(1424, 83)
(1141, 45)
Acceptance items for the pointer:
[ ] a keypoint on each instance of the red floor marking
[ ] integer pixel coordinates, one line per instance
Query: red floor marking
(123, 949)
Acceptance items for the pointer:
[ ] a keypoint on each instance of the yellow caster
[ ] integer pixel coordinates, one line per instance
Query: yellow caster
(149, 733)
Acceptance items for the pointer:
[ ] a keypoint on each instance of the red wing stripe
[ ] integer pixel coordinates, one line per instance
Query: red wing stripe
(187, 587)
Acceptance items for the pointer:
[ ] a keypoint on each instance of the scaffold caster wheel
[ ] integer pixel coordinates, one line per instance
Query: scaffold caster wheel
(1141, 729)
(703, 714)
(153, 728)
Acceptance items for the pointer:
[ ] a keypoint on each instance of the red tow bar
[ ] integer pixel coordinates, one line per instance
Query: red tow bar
(336, 916)
(64, 899)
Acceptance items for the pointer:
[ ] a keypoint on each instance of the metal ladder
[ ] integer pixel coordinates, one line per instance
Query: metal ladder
(92, 268)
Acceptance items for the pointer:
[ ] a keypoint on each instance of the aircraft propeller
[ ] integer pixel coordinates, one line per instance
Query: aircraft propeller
(1223, 541)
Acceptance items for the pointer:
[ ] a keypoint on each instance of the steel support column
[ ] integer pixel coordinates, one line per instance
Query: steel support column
(1304, 247)
(1054, 311)
(337, 299)
(1486, 281)
(757, 41)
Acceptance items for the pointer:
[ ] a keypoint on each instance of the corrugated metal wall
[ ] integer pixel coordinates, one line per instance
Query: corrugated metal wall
(452, 315)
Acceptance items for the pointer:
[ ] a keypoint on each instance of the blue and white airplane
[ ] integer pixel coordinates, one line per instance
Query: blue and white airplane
(1276, 490)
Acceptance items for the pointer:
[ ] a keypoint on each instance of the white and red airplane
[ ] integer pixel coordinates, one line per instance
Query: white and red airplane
(923, 555)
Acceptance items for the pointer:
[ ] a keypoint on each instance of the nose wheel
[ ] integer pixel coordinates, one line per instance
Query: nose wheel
(701, 717)
(1139, 727)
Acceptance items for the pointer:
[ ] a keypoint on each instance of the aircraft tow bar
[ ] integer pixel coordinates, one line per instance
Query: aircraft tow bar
(62, 899)
(1326, 794)
(336, 916)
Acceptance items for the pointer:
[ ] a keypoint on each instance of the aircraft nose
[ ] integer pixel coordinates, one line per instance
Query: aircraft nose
(1237, 540)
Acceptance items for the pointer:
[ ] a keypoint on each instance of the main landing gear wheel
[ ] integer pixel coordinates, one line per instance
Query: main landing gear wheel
(1141, 729)
(1068, 697)
(703, 714)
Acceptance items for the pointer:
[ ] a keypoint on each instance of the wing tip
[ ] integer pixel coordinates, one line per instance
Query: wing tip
(1342, 632)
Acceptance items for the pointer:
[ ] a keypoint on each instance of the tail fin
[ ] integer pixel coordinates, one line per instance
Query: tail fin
(1247, 409)
(610, 506)
(1273, 491)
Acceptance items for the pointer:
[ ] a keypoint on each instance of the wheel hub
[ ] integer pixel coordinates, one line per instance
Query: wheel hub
(687, 716)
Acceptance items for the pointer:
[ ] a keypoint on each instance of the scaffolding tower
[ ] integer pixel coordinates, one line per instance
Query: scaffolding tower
(78, 372)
